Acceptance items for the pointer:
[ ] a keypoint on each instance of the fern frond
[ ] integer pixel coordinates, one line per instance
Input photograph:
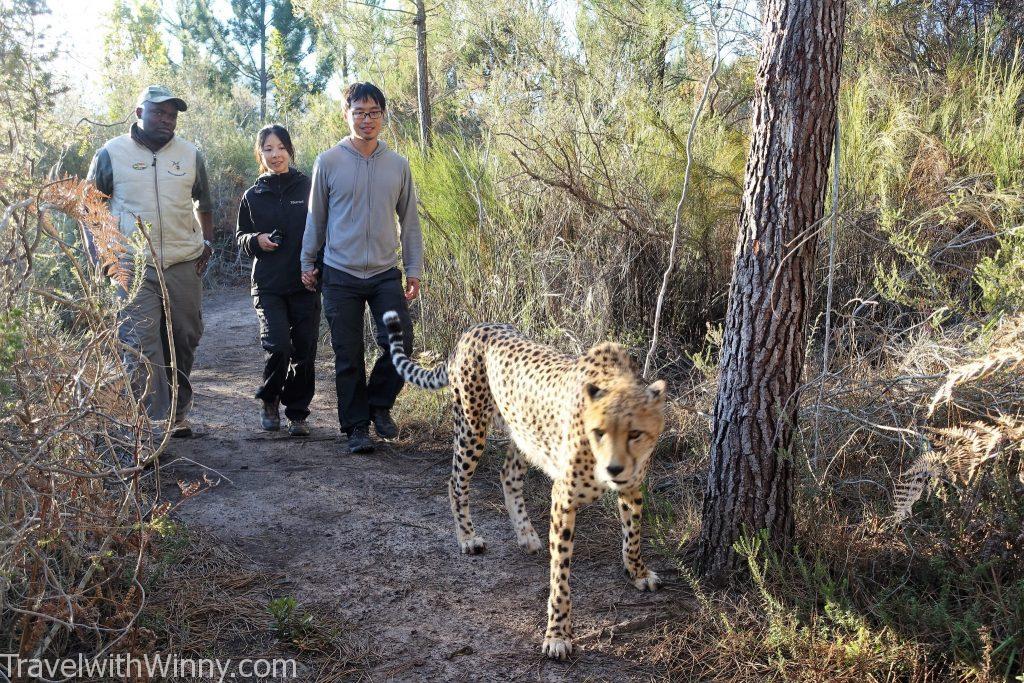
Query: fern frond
(916, 482)
(965, 448)
(1002, 360)
(82, 202)
(959, 452)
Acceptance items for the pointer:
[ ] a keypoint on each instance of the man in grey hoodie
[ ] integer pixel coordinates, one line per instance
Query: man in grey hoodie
(359, 188)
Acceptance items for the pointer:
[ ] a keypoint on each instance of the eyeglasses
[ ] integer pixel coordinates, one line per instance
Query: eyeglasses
(372, 115)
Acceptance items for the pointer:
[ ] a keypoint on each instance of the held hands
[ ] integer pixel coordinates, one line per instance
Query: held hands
(412, 288)
(264, 241)
(308, 278)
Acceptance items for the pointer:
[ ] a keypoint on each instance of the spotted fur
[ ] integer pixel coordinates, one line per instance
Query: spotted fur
(587, 421)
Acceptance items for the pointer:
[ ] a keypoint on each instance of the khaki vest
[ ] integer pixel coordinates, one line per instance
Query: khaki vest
(157, 187)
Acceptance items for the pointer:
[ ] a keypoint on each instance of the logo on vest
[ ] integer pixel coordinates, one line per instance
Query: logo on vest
(140, 165)
(176, 166)
(297, 201)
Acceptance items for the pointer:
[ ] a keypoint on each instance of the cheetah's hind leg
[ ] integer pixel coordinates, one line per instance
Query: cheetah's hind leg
(513, 474)
(471, 422)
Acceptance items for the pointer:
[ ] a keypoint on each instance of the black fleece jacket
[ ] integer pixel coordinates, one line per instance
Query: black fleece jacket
(275, 202)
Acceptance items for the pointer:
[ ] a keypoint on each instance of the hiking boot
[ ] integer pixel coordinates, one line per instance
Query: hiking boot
(383, 424)
(359, 440)
(270, 418)
(182, 429)
(298, 428)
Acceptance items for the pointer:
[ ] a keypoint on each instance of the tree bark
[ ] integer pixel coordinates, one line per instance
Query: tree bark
(263, 61)
(751, 477)
(344, 48)
(422, 88)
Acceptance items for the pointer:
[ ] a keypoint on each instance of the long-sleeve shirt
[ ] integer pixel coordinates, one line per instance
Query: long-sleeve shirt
(353, 204)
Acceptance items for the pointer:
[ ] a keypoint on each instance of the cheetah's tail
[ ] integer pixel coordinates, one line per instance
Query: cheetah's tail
(409, 370)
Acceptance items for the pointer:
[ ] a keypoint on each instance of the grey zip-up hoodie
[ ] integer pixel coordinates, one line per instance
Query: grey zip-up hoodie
(352, 207)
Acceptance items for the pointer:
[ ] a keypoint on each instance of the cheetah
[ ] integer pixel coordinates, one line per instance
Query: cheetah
(587, 421)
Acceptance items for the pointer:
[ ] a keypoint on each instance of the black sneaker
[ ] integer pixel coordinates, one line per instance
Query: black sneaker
(385, 426)
(359, 440)
(182, 429)
(270, 417)
(298, 428)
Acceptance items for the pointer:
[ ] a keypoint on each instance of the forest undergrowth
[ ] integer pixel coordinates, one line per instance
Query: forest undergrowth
(548, 199)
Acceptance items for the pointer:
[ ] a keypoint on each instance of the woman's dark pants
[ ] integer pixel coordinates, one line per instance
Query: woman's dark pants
(289, 327)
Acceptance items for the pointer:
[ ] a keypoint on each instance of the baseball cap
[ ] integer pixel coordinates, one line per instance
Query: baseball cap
(157, 94)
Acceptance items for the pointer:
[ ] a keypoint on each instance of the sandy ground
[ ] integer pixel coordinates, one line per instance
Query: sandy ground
(372, 535)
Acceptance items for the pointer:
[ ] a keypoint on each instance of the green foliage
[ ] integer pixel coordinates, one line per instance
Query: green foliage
(816, 608)
(134, 36)
(290, 622)
(263, 44)
(936, 173)
(953, 584)
(1001, 276)
(660, 520)
(548, 201)
(11, 340)
(28, 93)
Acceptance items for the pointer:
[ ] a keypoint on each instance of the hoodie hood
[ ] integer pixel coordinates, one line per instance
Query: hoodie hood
(347, 145)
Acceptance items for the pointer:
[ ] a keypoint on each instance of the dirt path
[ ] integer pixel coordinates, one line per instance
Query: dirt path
(373, 535)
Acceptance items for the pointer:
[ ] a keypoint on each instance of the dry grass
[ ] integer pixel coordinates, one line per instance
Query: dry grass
(208, 600)
(89, 558)
(74, 441)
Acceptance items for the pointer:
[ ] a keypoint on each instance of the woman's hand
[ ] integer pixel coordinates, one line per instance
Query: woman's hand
(265, 243)
(309, 279)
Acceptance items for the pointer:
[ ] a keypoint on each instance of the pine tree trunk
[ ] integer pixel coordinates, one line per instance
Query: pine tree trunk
(421, 74)
(263, 61)
(750, 482)
(344, 48)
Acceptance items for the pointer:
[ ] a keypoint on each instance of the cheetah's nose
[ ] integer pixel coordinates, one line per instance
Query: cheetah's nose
(615, 470)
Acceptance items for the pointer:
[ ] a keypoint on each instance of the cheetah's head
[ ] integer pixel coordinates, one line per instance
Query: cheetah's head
(623, 420)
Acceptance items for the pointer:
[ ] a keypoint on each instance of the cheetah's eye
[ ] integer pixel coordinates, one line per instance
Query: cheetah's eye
(598, 434)
(635, 434)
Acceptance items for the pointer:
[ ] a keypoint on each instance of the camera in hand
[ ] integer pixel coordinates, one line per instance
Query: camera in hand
(277, 237)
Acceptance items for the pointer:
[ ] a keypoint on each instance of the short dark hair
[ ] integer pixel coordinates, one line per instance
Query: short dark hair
(364, 91)
(265, 132)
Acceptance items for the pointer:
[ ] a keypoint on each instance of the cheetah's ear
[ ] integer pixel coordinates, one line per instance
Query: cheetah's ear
(592, 391)
(656, 391)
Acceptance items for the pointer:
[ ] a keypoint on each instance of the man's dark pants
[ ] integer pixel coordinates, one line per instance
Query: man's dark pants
(289, 327)
(345, 300)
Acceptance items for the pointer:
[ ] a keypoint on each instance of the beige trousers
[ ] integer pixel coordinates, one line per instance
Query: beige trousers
(143, 328)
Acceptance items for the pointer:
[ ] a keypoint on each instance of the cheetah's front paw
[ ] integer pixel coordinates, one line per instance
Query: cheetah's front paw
(648, 582)
(557, 648)
(473, 546)
(530, 542)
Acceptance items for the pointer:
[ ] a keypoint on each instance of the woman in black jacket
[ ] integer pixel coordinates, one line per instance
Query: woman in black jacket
(271, 220)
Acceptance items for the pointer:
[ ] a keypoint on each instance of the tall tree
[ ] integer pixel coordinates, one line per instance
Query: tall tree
(28, 93)
(750, 483)
(352, 32)
(134, 35)
(376, 33)
(242, 45)
(422, 84)
(293, 39)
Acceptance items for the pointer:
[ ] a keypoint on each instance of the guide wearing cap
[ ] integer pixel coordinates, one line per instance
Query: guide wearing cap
(153, 175)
